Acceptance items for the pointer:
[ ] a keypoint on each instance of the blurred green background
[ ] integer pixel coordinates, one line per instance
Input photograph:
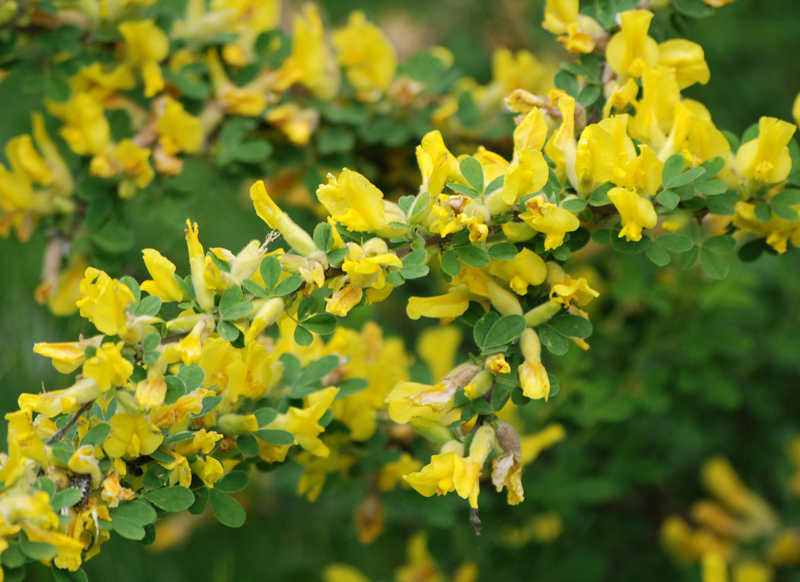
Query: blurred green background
(681, 368)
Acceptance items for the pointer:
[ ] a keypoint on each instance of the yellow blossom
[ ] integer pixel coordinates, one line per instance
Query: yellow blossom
(178, 130)
(296, 122)
(51, 404)
(270, 213)
(132, 161)
(533, 444)
(532, 375)
(103, 302)
(162, 271)
(527, 174)
(688, 60)
(107, 367)
(595, 159)
(448, 306)
(655, 111)
(367, 55)
(631, 50)
(497, 364)
(766, 158)
(636, 211)
(146, 45)
(549, 219)
(437, 347)
(366, 267)
(66, 356)
(86, 129)
(131, 436)
(304, 423)
(209, 470)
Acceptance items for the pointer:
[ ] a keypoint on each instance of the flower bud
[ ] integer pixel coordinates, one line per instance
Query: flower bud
(542, 313)
(480, 385)
(128, 402)
(482, 444)
(504, 301)
(432, 430)
(237, 423)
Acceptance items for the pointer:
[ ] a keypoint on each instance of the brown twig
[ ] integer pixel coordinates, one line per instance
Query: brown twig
(65, 429)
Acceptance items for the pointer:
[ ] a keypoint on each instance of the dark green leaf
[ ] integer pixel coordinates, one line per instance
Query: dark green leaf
(209, 404)
(483, 327)
(763, 212)
(231, 298)
(712, 187)
(589, 94)
(672, 168)
(288, 285)
(751, 251)
(226, 509)
(693, 8)
(415, 258)
(473, 256)
(302, 336)
(601, 236)
(571, 326)
(714, 265)
(689, 258)
(472, 171)
(67, 576)
(96, 435)
(274, 437)
(38, 550)
(687, 177)
(567, 82)
(450, 264)
(505, 330)
(720, 244)
(785, 212)
(201, 496)
(247, 445)
(713, 166)
(227, 331)
(657, 255)
(127, 528)
(233, 482)
(787, 198)
(252, 152)
(502, 251)
(668, 199)
(147, 306)
(599, 196)
(414, 271)
(270, 270)
(66, 498)
(678, 243)
(321, 323)
(575, 204)
(317, 370)
(350, 386)
(465, 190)
(114, 238)
(172, 499)
(323, 236)
(136, 511)
(556, 343)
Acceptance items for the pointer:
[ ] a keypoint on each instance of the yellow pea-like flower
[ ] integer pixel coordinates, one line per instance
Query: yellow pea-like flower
(131, 436)
(636, 212)
(687, 59)
(448, 306)
(162, 270)
(766, 159)
(107, 367)
(631, 50)
(178, 130)
(549, 219)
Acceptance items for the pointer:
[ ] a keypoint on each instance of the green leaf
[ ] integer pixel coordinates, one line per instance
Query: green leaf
(127, 528)
(465, 190)
(247, 445)
(227, 331)
(575, 204)
(555, 385)
(668, 198)
(308, 307)
(678, 243)
(713, 166)
(337, 256)
(420, 208)
(450, 264)
(571, 326)
(714, 265)
(56, 89)
(317, 370)
(687, 177)
(231, 298)
(787, 198)
(321, 323)
(192, 376)
(137, 511)
(672, 168)
(693, 8)
(252, 151)
(763, 212)
(115, 238)
(712, 187)
(589, 94)
(473, 256)
(270, 270)
(38, 550)
(67, 576)
(274, 436)
(785, 212)
(415, 258)
(233, 482)
(472, 170)
(556, 343)
(201, 496)
(689, 258)
(334, 139)
(502, 251)
(599, 196)
(96, 435)
(414, 271)
(483, 327)
(13, 557)
(323, 236)
(657, 255)
(264, 416)
(288, 285)
(147, 306)
(751, 251)
(505, 330)
(720, 244)
(601, 236)
(495, 184)
(131, 284)
(66, 498)
(172, 499)
(302, 336)
(350, 386)
(46, 484)
(567, 82)
(226, 509)
(395, 279)
(209, 404)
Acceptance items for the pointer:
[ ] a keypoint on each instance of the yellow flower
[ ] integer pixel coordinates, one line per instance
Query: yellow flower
(178, 131)
(511, 72)
(437, 347)
(717, 3)
(714, 568)
(50, 404)
(270, 213)
(526, 268)
(595, 159)
(103, 302)
(133, 162)
(26, 161)
(85, 128)
(414, 400)
(497, 364)
(297, 123)
(752, 571)
(342, 573)
(209, 470)
(366, 266)
(66, 356)
(249, 375)
(655, 111)
(636, 211)
(620, 96)
(527, 174)
(688, 60)
(533, 444)
(146, 45)
(766, 158)
(507, 468)
(107, 367)
(367, 55)
(448, 306)
(561, 146)
(132, 436)
(631, 50)
(549, 219)
(356, 203)
(532, 375)
(203, 440)
(311, 62)
(721, 480)
(162, 271)
(304, 423)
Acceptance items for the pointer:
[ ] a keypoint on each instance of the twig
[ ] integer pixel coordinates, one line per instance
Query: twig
(64, 429)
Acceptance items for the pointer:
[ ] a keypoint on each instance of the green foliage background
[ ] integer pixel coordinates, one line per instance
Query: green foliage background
(681, 368)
